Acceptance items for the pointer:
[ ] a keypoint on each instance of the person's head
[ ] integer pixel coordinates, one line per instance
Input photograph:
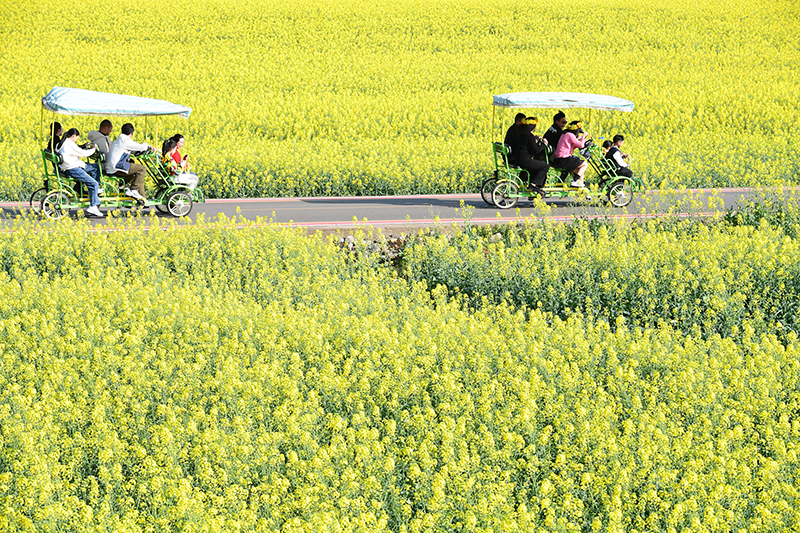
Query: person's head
(56, 130)
(72, 134)
(606, 144)
(127, 129)
(575, 127)
(178, 138)
(519, 118)
(618, 140)
(530, 123)
(168, 146)
(560, 120)
(105, 127)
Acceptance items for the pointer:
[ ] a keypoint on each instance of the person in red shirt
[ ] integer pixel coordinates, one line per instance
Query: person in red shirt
(180, 160)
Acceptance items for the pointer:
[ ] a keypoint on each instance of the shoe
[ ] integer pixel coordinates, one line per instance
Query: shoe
(133, 194)
(577, 183)
(95, 211)
(100, 192)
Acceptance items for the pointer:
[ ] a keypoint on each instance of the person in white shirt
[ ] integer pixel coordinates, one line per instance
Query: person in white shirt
(100, 138)
(117, 163)
(620, 160)
(73, 167)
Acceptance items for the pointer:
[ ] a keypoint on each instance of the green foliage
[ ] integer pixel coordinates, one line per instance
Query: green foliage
(691, 275)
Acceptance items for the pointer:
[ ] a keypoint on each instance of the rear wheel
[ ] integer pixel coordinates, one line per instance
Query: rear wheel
(504, 195)
(486, 190)
(179, 203)
(620, 193)
(36, 200)
(55, 205)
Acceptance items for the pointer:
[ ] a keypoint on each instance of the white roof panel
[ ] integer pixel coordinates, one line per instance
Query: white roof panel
(67, 101)
(562, 101)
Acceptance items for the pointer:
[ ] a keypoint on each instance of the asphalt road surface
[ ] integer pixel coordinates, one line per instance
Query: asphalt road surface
(407, 212)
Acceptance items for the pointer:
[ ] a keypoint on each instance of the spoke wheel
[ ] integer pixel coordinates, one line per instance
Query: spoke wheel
(36, 200)
(179, 203)
(504, 195)
(620, 193)
(486, 190)
(55, 205)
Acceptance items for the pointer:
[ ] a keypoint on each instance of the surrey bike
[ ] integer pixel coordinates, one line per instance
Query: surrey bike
(60, 194)
(509, 183)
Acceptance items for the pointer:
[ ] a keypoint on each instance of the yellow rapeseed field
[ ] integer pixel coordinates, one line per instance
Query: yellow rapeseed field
(206, 378)
(327, 97)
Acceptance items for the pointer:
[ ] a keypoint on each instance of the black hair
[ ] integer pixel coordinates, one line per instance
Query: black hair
(607, 144)
(558, 116)
(177, 137)
(105, 122)
(168, 145)
(127, 128)
(519, 117)
(618, 138)
(55, 141)
(71, 132)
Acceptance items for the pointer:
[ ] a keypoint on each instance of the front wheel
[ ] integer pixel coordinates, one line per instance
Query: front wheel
(620, 193)
(55, 205)
(486, 190)
(179, 203)
(505, 195)
(36, 200)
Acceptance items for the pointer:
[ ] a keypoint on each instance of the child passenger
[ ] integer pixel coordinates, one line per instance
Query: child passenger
(177, 168)
(618, 159)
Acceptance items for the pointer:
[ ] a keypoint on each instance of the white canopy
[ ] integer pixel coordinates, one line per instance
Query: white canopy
(562, 101)
(68, 101)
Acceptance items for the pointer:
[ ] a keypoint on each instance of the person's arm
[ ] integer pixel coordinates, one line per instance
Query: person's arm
(132, 146)
(619, 159)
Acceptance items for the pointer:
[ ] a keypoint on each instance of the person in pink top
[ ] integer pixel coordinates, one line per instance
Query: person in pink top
(572, 138)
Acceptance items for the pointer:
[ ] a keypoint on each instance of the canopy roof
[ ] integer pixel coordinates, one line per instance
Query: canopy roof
(68, 101)
(562, 101)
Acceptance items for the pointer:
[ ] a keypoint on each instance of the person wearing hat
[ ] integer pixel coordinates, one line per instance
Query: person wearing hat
(572, 138)
(526, 149)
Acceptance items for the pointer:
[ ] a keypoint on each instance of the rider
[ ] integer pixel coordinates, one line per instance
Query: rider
(74, 168)
(572, 138)
(178, 171)
(100, 137)
(525, 149)
(554, 132)
(618, 159)
(117, 163)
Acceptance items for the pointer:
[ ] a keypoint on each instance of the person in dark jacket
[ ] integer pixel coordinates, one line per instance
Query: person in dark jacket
(619, 159)
(553, 133)
(526, 151)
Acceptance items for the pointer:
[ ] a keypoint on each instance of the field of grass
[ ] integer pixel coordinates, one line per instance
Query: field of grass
(199, 377)
(356, 98)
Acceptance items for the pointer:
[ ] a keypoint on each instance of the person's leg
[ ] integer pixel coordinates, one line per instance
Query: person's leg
(136, 175)
(624, 171)
(93, 171)
(537, 171)
(79, 174)
(579, 172)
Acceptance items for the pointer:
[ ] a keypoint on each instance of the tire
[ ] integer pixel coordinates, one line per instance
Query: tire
(620, 193)
(36, 200)
(486, 190)
(54, 204)
(501, 195)
(179, 203)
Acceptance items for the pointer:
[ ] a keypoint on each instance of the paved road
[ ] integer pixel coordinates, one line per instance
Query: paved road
(417, 211)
